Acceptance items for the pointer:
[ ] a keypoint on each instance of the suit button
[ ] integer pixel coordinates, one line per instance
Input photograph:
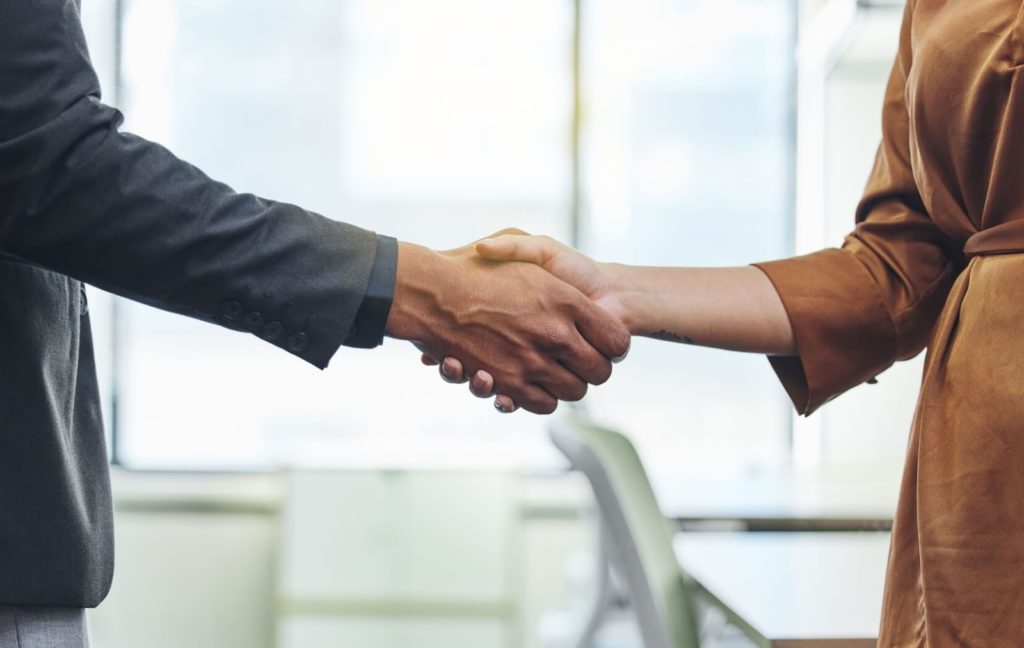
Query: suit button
(253, 321)
(231, 310)
(297, 342)
(273, 330)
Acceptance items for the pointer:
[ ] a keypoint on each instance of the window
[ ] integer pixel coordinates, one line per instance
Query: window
(438, 123)
(689, 162)
(435, 122)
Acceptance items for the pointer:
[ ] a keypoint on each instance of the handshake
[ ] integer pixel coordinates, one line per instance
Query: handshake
(527, 319)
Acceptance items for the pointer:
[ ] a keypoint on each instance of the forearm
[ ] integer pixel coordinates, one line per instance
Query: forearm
(726, 308)
(83, 199)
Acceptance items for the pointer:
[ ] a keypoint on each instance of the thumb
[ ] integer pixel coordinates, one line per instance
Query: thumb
(530, 249)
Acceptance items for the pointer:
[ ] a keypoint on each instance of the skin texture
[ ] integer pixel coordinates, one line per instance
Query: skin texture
(727, 308)
(539, 339)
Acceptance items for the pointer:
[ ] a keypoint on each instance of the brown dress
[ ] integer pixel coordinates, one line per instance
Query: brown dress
(937, 260)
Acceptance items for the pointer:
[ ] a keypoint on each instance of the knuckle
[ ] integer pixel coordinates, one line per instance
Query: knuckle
(512, 231)
(536, 366)
(558, 336)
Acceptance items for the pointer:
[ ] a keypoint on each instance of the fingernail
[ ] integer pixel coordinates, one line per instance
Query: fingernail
(501, 408)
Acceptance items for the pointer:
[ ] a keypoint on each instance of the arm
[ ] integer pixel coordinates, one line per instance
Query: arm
(82, 198)
(726, 308)
(852, 311)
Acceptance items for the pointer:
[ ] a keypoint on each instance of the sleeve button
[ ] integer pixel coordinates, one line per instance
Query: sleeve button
(253, 321)
(273, 330)
(231, 310)
(297, 342)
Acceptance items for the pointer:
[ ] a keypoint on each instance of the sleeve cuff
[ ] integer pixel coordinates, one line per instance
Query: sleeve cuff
(844, 333)
(367, 330)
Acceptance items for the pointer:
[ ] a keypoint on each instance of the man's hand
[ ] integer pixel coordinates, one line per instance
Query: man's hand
(538, 338)
(600, 282)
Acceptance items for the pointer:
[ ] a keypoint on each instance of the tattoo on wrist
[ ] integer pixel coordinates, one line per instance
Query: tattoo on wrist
(669, 336)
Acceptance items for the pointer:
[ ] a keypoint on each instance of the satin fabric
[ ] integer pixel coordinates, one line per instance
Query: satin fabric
(936, 260)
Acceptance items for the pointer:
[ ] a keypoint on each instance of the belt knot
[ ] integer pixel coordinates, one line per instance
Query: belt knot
(1006, 238)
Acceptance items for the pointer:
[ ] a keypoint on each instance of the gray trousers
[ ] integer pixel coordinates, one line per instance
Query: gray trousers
(42, 627)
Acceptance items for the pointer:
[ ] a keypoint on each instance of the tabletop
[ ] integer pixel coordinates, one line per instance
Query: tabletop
(793, 590)
(782, 500)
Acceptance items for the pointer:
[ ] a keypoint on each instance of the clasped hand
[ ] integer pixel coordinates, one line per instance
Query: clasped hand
(524, 316)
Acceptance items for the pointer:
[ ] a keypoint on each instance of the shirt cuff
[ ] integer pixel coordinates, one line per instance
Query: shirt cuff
(367, 330)
(844, 335)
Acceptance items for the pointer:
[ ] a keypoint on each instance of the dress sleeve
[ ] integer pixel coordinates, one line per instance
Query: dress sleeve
(858, 309)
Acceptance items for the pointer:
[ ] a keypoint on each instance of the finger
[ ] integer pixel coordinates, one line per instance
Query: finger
(451, 371)
(504, 404)
(482, 384)
(561, 383)
(586, 362)
(427, 360)
(534, 399)
(602, 330)
(531, 249)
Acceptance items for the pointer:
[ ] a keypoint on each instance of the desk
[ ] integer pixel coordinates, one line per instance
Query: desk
(783, 500)
(793, 590)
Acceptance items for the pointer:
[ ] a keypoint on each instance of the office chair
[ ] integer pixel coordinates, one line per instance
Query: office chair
(635, 539)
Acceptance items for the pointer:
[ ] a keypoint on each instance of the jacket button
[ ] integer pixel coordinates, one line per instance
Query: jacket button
(253, 321)
(231, 310)
(273, 330)
(297, 342)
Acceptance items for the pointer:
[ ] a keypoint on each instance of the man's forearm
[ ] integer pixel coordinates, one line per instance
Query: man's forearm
(727, 308)
(81, 198)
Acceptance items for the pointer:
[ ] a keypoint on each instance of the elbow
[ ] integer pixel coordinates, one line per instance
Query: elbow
(34, 162)
(65, 141)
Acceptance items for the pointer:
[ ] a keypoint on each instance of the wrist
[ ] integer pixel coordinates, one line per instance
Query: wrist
(627, 296)
(415, 275)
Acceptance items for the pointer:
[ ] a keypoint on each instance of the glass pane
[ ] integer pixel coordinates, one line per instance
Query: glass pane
(688, 161)
(436, 122)
(869, 425)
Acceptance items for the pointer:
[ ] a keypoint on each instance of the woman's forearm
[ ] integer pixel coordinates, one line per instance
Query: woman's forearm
(726, 308)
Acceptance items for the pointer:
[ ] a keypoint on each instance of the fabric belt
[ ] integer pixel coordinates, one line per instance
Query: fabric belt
(1007, 238)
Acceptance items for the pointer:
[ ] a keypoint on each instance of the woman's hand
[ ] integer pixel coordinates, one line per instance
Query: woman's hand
(602, 282)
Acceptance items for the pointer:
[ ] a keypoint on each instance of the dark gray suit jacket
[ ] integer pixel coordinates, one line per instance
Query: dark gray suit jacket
(82, 202)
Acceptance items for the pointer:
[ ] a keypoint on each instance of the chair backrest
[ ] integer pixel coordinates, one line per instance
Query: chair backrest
(640, 536)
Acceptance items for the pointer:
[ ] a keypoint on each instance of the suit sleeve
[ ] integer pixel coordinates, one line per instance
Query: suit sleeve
(82, 198)
(857, 310)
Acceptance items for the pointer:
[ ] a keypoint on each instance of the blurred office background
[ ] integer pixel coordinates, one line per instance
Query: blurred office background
(263, 503)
